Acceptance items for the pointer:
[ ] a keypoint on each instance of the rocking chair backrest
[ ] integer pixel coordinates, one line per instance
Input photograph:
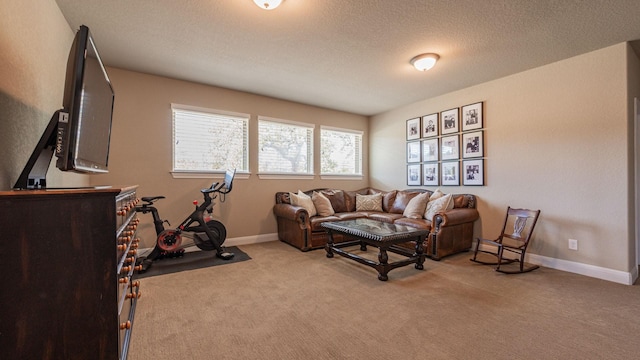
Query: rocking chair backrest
(519, 225)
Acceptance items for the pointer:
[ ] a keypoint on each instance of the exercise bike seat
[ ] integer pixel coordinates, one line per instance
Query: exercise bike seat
(151, 199)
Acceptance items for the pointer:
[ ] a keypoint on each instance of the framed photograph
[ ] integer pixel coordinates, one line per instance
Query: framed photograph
(472, 144)
(430, 125)
(413, 129)
(449, 121)
(430, 174)
(413, 174)
(473, 172)
(472, 117)
(450, 147)
(413, 151)
(451, 173)
(430, 150)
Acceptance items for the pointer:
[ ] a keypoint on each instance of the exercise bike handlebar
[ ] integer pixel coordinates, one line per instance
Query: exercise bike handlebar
(215, 187)
(219, 187)
(222, 187)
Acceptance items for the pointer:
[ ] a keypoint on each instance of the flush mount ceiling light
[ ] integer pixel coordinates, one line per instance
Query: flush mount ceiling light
(424, 62)
(268, 4)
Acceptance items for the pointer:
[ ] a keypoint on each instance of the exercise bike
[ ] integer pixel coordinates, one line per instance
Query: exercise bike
(205, 232)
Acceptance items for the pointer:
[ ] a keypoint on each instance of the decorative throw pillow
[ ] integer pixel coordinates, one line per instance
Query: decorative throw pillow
(402, 200)
(460, 201)
(436, 195)
(416, 207)
(441, 204)
(337, 199)
(304, 200)
(369, 202)
(322, 204)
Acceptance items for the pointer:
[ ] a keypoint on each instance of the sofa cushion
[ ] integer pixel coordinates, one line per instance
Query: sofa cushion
(417, 223)
(336, 197)
(316, 222)
(322, 204)
(384, 217)
(353, 215)
(303, 200)
(416, 207)
(441, 204)
(369, 202)
(401, 201)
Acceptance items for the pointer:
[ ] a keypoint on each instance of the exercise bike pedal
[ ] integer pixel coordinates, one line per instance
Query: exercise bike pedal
(170, 254)
(146, 263)
(225, 255)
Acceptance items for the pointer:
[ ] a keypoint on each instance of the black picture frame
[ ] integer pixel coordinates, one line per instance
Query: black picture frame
(413, 129)
(449, 121)
(430, 125)
(414, 175)
(450, 147)
(450, 173)
(430, 174)
(430, 150)
(413, 152)
(473, 172)
(472, 116)
(473, 144)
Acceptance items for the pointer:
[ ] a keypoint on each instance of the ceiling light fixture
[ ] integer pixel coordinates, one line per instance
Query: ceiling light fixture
(268, 4)
(424, 62)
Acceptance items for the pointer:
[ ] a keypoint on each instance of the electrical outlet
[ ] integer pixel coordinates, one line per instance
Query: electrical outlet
(573, 244)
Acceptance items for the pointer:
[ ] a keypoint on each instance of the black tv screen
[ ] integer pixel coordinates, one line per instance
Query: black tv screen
(88, 99)
(79, 134)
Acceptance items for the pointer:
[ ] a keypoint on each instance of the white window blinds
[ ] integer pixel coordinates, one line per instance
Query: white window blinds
(209, 140)
(284, 147)
(340, 152)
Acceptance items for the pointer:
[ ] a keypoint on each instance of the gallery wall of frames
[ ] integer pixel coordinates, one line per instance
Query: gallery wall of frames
(447, 148)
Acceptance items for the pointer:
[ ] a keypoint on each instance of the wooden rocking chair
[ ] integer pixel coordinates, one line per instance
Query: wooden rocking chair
(522, 221)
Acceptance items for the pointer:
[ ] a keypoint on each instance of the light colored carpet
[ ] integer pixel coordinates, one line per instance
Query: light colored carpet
(286, 304)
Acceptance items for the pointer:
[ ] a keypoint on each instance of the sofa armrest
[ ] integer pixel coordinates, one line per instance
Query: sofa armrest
(455, 217)
(292, 213)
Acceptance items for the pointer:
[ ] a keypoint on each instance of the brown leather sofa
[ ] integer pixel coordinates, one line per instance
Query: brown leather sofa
(450, 233)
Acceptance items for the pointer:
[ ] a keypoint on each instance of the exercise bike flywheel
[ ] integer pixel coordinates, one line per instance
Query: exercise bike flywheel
(169, 240)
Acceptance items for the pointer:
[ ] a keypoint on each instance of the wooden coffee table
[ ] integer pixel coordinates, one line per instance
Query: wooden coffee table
(381, 235)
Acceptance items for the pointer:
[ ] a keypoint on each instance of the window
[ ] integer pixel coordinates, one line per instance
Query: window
(285, 147)
(209, 140)
(340, 151)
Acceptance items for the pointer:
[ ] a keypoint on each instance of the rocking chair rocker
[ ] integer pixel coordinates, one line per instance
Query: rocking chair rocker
(522, 221)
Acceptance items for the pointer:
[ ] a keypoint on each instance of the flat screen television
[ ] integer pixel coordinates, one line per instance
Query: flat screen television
(79, 134)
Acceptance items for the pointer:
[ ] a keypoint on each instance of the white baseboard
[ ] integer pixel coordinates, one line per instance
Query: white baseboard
(245, 240)
(621, 277)
(254, 239)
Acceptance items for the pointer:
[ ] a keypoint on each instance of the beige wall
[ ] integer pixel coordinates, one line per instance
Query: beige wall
(556, 139)
(141, 150)
(34, 46)
(634, 114)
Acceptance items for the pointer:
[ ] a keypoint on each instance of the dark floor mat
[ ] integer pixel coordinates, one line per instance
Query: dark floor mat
(191, 260)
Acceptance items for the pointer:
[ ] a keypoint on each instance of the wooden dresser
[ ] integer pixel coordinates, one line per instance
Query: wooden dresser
(66, 261)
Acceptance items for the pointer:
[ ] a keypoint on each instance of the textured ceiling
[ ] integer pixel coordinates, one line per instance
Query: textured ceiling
(349, 55)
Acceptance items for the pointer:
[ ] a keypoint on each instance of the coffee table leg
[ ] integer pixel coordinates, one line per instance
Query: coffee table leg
(420, 253)
(383, 259)
(329, 245)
